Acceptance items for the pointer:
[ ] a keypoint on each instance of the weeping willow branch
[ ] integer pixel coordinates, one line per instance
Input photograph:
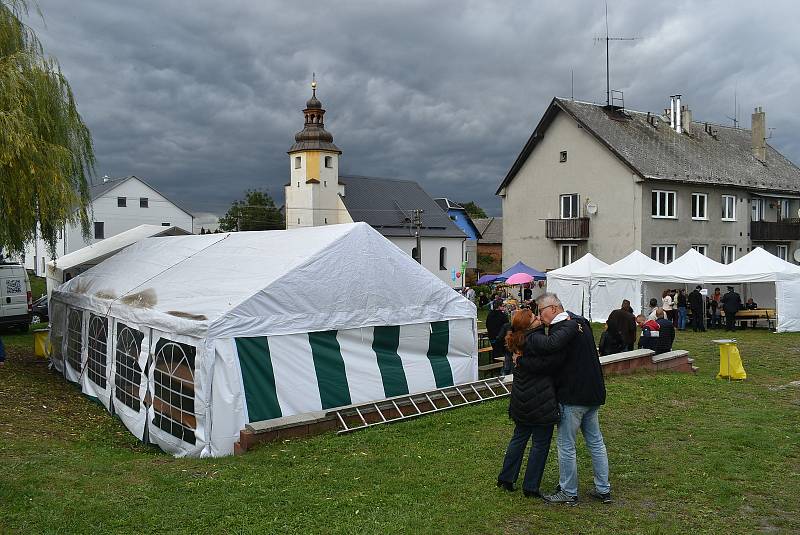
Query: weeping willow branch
(46, 152)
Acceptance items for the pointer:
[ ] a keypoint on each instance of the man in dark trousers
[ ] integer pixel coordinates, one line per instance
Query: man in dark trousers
(696, 306)
(580, 391)
(731, 303)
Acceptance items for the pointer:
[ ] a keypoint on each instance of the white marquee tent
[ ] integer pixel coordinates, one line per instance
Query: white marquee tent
(572, 283)
(621, 280)
(770, 281)
(76, 262)
(189, 338)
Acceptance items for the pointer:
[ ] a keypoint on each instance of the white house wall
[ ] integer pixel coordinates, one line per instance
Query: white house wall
(116, 219)
(430, 255)
(592, 172)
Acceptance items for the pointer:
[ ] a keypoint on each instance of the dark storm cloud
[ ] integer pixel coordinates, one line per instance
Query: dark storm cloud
(203, 98)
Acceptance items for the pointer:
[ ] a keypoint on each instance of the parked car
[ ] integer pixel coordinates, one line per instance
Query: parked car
(15, 296)
(39, 312)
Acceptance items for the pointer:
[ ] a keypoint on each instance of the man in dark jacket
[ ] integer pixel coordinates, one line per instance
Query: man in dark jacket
(696, 306)
(666, 333)
(731, 303)
(580, 390)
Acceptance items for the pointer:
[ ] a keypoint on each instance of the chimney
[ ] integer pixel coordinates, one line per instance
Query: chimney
(672, 112)
(759, 131)
(686, 119)
(678, 125)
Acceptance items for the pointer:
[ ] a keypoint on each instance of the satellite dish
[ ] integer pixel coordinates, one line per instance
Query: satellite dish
(798, 212)
(591, 208)
(796, 255)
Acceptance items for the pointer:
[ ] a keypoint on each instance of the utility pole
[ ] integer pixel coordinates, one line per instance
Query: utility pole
(417, 222)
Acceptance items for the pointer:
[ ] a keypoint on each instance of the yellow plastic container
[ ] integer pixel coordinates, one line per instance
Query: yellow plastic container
(730, 362)
(41, 342)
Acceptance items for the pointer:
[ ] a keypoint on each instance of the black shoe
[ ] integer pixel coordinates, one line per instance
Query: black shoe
(505, 485)
(532, 494)
(605, 498)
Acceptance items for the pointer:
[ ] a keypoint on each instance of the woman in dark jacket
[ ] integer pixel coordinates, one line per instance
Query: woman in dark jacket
(533, 407)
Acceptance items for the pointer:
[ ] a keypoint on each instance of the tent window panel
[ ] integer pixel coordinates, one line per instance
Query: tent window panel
(173, 400)
(128, 375)
(74, 339)
(98, 350)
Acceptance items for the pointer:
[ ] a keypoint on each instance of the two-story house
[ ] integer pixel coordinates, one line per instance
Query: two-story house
(399, 209)
(117, 205)
(606, 180)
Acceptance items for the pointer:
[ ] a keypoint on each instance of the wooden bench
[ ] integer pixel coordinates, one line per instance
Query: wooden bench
(490, 370)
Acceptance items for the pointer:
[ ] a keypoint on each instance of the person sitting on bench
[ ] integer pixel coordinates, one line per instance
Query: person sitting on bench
(751, 305)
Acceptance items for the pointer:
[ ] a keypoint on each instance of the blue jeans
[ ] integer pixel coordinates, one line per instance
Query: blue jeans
(542, 435)
(574, 417)
(681, 318)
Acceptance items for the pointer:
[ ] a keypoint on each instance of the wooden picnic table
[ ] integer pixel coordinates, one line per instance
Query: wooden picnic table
(755, 315)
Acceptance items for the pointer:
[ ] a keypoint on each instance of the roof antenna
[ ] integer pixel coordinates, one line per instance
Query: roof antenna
(572, 83)
(607, 39)
(735, 117)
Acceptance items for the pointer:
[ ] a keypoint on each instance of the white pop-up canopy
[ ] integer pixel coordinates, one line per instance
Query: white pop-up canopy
(572, 283)
(621, 280)
(189, 338)
(76, 262)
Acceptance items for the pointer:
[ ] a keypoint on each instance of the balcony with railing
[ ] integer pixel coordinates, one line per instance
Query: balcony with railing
(567, 229)
(786, 230)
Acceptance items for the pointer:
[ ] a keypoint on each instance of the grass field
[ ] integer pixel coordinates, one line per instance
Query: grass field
(688, 454)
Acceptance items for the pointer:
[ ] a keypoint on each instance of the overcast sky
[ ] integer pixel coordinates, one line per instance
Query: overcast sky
(203, 98)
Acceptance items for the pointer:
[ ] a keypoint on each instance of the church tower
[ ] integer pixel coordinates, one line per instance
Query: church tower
(312, 195)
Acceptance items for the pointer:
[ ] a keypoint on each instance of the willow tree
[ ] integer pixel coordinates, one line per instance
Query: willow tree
(46, 154)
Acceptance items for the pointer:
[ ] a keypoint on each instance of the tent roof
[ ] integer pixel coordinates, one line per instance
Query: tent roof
(759, 266)
(267, 283)
(634, 266)
(585, 266)
(690, 267)
(521, 267)
(107, 247)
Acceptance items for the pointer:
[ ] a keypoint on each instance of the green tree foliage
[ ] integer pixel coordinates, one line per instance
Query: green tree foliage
(256, 212)
(46, 154)
(474, 211)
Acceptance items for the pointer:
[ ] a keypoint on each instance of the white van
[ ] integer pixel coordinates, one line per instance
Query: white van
(15, 296)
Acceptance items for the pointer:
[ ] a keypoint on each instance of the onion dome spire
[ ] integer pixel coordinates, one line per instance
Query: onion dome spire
(313, 136)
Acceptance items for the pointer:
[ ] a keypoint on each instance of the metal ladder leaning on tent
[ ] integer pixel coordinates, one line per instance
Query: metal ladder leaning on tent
(399, 408)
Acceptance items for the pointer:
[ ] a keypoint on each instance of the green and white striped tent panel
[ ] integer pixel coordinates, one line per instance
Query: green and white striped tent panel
(293, 374)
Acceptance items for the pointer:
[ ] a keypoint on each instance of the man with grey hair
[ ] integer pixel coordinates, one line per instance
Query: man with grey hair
(580, 390)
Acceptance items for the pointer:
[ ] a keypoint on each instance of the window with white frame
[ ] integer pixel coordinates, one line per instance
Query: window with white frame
(728, 254)
(663, 204)
(122, 202)
(329, 162)
(783, 252)
(700, 206)
(569, 253)
(662, 253)
(569, 206)
(785, 207)
(297, 162)
(702, 249)
(729, 207)
(757, 209)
